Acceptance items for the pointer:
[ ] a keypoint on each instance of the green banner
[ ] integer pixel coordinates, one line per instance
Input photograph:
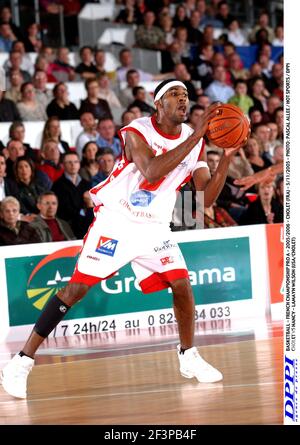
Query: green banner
(219, 270)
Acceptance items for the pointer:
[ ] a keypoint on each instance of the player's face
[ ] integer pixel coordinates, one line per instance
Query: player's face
(175, 104)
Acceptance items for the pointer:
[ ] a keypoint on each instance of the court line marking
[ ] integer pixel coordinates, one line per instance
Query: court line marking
(199, 387)
(175, 342)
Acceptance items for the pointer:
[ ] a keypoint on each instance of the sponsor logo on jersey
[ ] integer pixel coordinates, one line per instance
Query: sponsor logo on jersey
(167, 260)
(107, 246)
(142, 198)
(165, 246)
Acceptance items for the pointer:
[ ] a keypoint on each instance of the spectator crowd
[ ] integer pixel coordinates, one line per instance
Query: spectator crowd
(44, 189)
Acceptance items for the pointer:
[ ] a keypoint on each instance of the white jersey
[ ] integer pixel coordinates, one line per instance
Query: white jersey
(127, 191)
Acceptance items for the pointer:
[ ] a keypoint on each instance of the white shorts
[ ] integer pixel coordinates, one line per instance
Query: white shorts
(113, 241)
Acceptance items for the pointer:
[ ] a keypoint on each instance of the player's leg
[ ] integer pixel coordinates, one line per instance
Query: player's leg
(167, 268)
(14, 375)
(53, 313)
(184, 311)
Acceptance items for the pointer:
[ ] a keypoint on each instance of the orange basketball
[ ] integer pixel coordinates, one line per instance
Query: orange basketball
(229, 128)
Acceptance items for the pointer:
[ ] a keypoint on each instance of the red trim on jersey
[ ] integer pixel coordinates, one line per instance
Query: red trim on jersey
(158, 281)
(165, 135)
(134, 130)
(201, 149)
(112, 176)
(82, 278)
(184, 182)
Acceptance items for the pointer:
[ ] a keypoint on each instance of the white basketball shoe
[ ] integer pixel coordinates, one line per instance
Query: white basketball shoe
(193, 365)
(14, 376)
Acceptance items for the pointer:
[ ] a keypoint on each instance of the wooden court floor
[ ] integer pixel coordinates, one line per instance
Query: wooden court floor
(132, 378)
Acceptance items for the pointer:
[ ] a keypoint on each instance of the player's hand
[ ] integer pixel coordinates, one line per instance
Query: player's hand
(211, 112)
(228, 152)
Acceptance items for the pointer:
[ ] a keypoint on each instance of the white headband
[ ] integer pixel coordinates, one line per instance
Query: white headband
(165, 88)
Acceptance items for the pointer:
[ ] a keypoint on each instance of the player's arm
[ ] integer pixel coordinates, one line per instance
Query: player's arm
(212, 186)
(267, 174)
(152, 167)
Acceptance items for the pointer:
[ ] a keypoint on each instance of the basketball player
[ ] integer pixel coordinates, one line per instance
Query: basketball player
(133, 209)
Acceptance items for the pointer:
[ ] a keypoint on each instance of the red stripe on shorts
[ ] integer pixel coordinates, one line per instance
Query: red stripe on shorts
(158, 281)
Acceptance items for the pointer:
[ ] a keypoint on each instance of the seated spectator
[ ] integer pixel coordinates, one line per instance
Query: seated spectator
(278, 40)
(8, 187)
(203, 100)
(218, 90)
(42, 64)
(86, 68)
(236, 35)
(241, 98)
(262, 24)
(279, 120)
(105, 91)
(236, 69)
(43, 94)
(255, 115)
(265, 209)
(14, 63)
(52, 131)
(195, 36)
(126, 60)
(275, 82)
(8, 110)
(262, 133)
(31, 184)
(26, 62)
(16, 132)
(106, 162)
(135, 110)
(166, 24)
(259, 93)
(195, 114)
(139, 95)
(7, 37)
(223, 14)
(254, 153)
(130, 14)
(180, 18)
(273, 139)
(46, 224)
(100, 61)
(29, 108)
(149, 36)
(239, 165)
(12, 151)
(12, 230)
(70, 189)
(92, 104)
(32, 41)
(106, 136)
(15, 81)
(89, 165)
(60, 106)
(126, 118)
(273, 102)
(278, 156)
(133, 80)
(203, 67)
(182, 74)
(6, 17)
(61, 68)
(50, 163)
(89, 133)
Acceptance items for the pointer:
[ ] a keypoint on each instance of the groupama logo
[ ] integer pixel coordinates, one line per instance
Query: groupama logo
(47, 279)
